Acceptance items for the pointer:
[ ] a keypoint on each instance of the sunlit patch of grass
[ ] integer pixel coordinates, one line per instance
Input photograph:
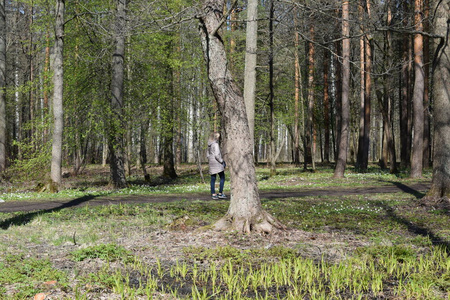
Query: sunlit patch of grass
(25, 276)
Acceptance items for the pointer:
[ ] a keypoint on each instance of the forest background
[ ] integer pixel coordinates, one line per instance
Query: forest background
(164, 111)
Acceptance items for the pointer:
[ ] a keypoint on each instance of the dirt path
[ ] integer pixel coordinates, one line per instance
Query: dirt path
(416, 190)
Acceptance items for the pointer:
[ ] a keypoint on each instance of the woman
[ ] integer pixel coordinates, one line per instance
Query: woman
(216, 165)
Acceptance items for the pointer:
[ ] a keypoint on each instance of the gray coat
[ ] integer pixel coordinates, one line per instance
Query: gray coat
(214, 158)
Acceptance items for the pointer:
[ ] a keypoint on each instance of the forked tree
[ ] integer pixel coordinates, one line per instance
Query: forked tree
(245, 213)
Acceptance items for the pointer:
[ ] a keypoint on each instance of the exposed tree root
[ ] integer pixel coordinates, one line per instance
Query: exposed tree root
(437, 202)
(262, 223)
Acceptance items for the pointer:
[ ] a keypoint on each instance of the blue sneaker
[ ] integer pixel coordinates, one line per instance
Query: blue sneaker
(215, 197)
(222, 196)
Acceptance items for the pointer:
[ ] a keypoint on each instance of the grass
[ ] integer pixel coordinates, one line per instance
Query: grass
(402, 250)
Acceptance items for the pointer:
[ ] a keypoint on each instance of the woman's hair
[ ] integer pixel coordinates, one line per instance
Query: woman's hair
(214, 136)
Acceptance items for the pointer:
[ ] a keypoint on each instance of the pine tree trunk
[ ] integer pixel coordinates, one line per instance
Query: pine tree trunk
(58, 122)
(417, 149)
(245, 213)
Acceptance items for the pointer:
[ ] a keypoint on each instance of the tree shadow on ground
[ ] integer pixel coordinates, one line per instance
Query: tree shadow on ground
(25, 218)
(407, 189)
(414, 228)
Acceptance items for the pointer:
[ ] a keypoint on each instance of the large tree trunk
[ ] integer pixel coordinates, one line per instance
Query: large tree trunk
(440, 186)
(245, 212)
(250, 65)
(58, 122)
(345, 105)
(116, 147)
(2, 86)
(417, 149)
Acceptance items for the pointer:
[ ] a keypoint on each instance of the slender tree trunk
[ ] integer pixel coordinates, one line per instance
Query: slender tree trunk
(250, 65)
(297, 92)
(338, 99)
(273, 170)
(388, 100)
(245, 212)
(326, 106)
(116, 140)
(45, 85)
(426, 95)
(310, 130)
(168, 119)
(362, 91)
(367, 95)
(58, 122)
(417, 149)
(440, 186)
(345, 106)
(405, 143)
(2, 87)
(143, 148)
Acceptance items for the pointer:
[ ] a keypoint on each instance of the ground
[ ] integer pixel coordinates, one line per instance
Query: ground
(167, 244)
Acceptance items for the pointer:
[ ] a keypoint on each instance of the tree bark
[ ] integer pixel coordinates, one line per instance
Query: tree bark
(168, 120)
(405, 99)
(426, 94)
(250, 65)
(245, 213)
(310, 130)
(2, 86)
(272, 158)
(440, 186)
(297, 92)
(417, 148)
(326, 106)
(116, 140)
(58, 122)
(345, 105)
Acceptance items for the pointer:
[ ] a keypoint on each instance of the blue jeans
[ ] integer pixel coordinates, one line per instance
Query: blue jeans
(213, 182)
